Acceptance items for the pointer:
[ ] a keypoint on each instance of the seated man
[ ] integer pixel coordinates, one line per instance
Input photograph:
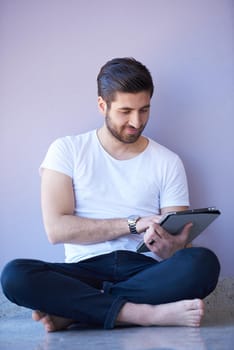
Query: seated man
(102, 191)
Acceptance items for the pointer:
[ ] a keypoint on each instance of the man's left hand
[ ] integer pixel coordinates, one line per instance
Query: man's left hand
(162, 243)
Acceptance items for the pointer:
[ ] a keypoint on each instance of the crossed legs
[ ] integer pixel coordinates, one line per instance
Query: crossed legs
(144, 298)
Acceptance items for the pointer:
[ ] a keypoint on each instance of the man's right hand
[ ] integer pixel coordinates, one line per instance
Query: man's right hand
(145, 222)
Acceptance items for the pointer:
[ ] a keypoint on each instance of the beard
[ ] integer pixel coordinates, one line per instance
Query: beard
(120, 134)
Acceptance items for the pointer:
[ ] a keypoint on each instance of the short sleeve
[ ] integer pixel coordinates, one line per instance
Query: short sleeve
(175, 187)
(60, 157)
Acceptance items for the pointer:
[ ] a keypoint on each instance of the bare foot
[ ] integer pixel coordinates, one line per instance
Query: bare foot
(51, 323)
(180, 313)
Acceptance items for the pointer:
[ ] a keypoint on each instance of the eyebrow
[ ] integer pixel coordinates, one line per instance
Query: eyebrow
(130, 109)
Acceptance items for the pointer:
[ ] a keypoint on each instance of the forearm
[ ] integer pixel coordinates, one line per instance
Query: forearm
(75, 229)
(62, 226)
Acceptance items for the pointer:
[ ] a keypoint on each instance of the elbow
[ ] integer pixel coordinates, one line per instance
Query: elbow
(52, 235)
(52, 239)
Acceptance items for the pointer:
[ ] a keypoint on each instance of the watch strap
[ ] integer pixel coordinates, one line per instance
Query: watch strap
(132, 220)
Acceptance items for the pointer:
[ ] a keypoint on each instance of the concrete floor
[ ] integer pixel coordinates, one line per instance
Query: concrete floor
(19, 332)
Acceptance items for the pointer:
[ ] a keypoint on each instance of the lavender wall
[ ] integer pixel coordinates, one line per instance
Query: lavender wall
(50, 54)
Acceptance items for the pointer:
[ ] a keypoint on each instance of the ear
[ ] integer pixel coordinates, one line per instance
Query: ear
(102, 106)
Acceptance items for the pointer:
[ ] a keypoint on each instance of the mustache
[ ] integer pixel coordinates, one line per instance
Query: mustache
(137, 129)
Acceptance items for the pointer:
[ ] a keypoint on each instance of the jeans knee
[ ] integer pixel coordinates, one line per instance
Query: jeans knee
(205, 269)
(209, 263)
(11, 278)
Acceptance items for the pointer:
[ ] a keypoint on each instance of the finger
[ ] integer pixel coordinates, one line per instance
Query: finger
(187, 229)
(160, 231)
(184, 235)
(156, 219)
(151, 235)
(151, 242)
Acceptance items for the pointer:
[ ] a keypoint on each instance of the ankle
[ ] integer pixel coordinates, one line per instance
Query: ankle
(139, 314)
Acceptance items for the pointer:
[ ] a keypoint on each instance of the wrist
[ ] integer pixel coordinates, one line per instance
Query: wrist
(132, 222)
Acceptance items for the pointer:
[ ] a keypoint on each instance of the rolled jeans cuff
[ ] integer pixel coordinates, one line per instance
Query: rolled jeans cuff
(112, 313)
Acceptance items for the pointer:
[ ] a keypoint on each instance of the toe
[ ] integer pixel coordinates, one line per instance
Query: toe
(37, 315)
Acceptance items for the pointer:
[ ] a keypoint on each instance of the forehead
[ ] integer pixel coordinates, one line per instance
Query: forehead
(131, 100)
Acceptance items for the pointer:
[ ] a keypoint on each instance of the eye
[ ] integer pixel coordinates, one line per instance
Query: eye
(144, 110)
(125, 111)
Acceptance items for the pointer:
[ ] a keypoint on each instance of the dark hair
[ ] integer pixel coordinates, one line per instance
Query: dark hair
(123, 75)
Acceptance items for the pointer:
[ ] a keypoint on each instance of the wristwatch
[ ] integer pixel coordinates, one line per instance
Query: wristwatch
(132, 220)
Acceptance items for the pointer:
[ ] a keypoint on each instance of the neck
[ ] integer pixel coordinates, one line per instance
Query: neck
(120, 150)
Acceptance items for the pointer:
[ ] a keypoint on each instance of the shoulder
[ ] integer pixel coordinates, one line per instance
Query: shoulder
(73, 142)
(64, 152)
(161, 151)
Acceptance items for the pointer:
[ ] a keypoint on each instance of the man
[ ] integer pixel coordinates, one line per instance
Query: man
(102, 192)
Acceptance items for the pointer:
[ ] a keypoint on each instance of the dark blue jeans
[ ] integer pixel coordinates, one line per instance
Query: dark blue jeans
(93, 291)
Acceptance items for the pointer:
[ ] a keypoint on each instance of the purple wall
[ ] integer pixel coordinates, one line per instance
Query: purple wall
(50, 54)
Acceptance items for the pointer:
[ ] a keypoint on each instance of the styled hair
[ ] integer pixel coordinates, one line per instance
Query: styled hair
(123, 75)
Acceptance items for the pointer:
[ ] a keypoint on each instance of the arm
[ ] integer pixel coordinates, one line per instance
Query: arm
(174, 189)
(62, 226)
(176, 208)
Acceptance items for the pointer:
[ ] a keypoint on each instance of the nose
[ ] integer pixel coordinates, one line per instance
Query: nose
(135, 120)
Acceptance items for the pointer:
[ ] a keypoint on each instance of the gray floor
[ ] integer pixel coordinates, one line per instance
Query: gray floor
(18, 332)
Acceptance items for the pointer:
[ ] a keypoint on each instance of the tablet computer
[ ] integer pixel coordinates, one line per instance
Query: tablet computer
(173, 222)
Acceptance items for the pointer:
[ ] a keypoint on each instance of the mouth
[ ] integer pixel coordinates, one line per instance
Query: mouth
(133, 131)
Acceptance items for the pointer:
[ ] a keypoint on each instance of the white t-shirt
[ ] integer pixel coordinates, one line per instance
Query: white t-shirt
(105, 187)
